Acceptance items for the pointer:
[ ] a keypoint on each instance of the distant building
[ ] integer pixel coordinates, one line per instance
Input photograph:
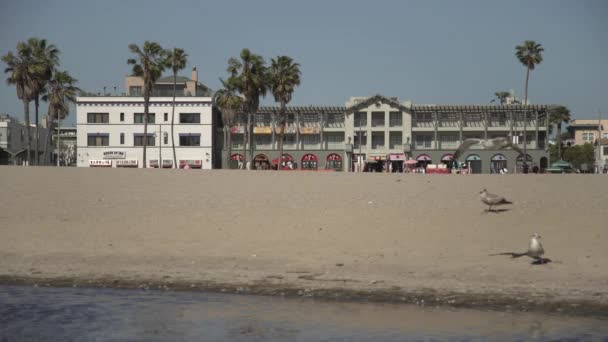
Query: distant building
(382, 131)
(67, 149)
(111, 128)
(12, 140)
(592, 131)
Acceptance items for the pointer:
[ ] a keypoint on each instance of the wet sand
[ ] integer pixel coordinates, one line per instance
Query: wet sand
(420, 239)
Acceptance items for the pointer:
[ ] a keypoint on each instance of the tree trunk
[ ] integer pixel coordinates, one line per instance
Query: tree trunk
(559, 139)
(173, 121)
(229, 147)
(28, 146)
(245, 138)
(250, 137)
(37, 137)
(281, 137)
(146, 105)
(47, 141)
(526, 121)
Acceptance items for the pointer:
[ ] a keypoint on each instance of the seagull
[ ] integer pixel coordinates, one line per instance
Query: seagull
(535, 251)
(492, 200)
(496, 143)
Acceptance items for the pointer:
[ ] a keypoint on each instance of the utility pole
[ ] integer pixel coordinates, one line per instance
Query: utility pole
(160, 146)
(360, 158)
(599, 140)
(58, 137)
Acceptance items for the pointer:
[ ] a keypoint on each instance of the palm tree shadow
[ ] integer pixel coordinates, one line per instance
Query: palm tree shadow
(496, 211)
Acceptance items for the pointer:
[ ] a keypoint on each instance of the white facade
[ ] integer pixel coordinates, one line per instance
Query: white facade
(109, 130)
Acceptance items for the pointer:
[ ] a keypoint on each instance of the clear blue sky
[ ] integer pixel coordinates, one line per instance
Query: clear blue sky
(442, 52)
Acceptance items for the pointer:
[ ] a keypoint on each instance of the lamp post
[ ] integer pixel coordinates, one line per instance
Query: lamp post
(360, 157)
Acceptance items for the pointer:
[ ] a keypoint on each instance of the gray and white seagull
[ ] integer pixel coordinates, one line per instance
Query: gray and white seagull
(535, 251)
(496, 144)
(492, 200)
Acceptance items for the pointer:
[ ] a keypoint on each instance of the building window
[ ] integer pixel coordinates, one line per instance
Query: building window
(395, 119)
(189, 118)
(377, 119)
(262, 141)
(289, 140)
(360, 119)
(423, 140)
(605, 150)
(138, 140)
(166, 138)
(377, 140)
(449, 140)
(335, 140)
(138, 118)
(135, 91)
(310, 140)
(96, 118)
(588, 137)
(122, 138)
(189, 140)
(122, 117)
(363, 139)
(395, 140)
(334, 120)
(166, 117)
(98, 139)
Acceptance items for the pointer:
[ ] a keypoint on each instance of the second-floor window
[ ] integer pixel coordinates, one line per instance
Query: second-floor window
(588, 137)
(98, 139)
(377, 119)
(138, 118)
(396, 119)
(122, 117)
(360, 119)
(97, 118)
(122, 138)
(189, 140)
(138, 140)
(189, 118)
(135, 91)
(166, 117)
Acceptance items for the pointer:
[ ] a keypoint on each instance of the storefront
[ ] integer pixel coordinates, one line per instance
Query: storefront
(473, 163)
(287, 162)
(100, 163)
(129, 163)
(261, 162)
(396, 162)
(236, 160)
(334, 162)
(375, 164)
(447, 159)
(498, 163)
(167, 163)
(310, 162)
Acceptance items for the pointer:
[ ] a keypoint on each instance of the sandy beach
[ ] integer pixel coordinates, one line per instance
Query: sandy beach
(420, 239)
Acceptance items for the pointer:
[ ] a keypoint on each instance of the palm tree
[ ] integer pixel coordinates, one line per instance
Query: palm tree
(558, 116)
(61, 92)
(501, 96)
(176, 60)
(149, 64)
(230, 104)
(284, 77)
(46, 58)
(529, 54)
(20, 67)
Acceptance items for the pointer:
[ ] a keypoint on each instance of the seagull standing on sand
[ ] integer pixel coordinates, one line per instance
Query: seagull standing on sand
(496, 143)
(535, 251)
(492, 200)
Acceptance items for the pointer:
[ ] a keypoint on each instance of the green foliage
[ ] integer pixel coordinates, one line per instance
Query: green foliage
(529, 53)
(149, 63)
(284, 77)
(501, 96)
(580, 154)
(61, 92)
(176, 60)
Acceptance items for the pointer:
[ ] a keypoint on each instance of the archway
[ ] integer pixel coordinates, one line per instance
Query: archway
(423, 160)
(334, 162)
(235, 161)
(261, 162)
(287, 162)
(544, 163)
(519, 163)
(474, 163)
(447, 159)
(310, 162)
(498, 163)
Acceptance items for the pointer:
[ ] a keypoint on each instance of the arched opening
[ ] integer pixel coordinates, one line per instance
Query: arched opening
(334, 162)
(310, 162)
(519, 163)
(5, 157)
(544, 163)
(423, 160)
(498, 163)
(447, 159)
(287, 162)
(261, 162)
(473, 162)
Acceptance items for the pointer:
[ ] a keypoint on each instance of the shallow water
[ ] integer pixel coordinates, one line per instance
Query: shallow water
(67, 314)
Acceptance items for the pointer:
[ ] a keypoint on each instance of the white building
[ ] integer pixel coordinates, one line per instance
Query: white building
(110, 131)
(13, 144)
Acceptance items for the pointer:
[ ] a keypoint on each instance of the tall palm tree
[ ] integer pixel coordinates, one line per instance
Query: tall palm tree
(230, 104)
(284, 77)
(20, 70)
(176, 61)
(61, 92)
(149, 63)
(529, 54)
(46, 58)
(250, 77)
(558, 116)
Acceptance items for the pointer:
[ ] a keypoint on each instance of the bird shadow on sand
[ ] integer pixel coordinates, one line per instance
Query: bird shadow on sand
(495, 211)
(536, 261)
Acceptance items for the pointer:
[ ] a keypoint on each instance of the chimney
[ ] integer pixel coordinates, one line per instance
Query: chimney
(194, 74)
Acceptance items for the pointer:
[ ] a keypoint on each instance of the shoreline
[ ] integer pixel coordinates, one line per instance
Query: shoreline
(513, 302)
(356, 237)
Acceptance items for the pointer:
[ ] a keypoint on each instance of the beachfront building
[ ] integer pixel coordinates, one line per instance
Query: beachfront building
(111, 128)
(592, 131)
(65, 144)
(383, 133)
(12, 140)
